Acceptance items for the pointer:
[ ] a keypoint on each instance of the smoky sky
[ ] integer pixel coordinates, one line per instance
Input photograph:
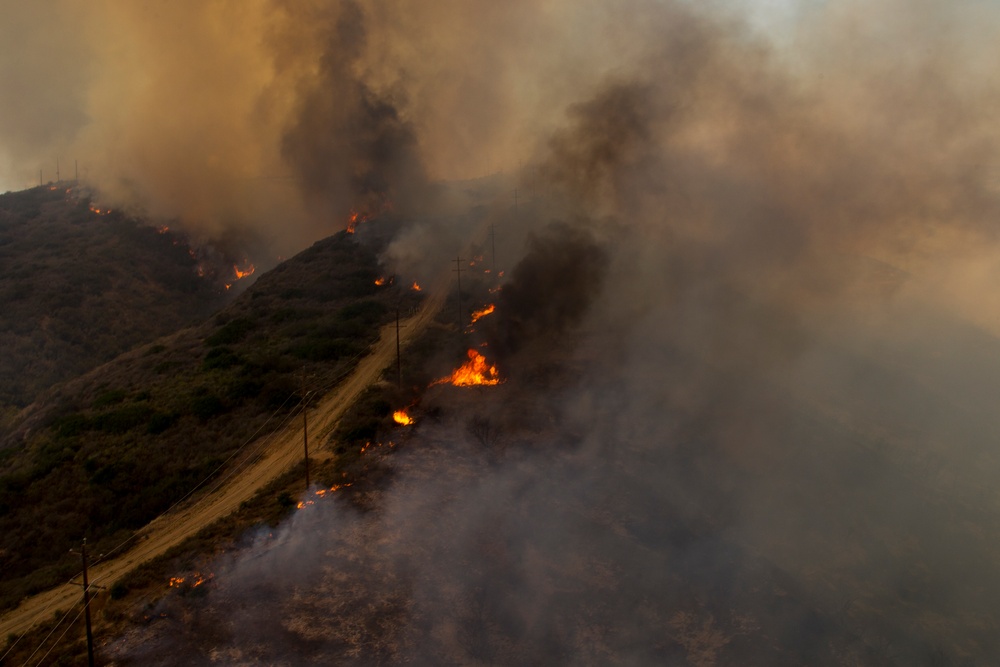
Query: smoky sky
(767, 267)
(285, 116)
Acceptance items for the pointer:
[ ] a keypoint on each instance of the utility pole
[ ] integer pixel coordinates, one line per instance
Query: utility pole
(57, 169)
(76, 171)
(305, 427)
(86, 604)
(399, 365)
(493, 244)
(458, 273)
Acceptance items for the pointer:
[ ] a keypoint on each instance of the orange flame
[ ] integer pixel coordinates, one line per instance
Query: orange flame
(163, 230)
(400, 417)
(416, 287)
(473, 372)
(482, 313)
(319, 493)
(247, 270)
(380, 280)
(352, 222)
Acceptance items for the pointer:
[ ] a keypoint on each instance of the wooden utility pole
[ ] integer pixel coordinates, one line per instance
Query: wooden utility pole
(458, 273)
(399, 364)
(493, 244)
(305, 426)
(86, 604)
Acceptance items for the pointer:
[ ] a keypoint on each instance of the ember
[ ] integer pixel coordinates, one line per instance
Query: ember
(415, 287)
(400, 417)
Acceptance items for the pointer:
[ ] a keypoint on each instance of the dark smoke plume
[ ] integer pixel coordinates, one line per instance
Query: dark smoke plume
(552, 286)
(774, 439)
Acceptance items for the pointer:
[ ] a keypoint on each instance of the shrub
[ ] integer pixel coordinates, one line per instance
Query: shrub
(123, 419)
(232, 332)
(220, 357)
(206, 406)
(109, 397)
(160, 422)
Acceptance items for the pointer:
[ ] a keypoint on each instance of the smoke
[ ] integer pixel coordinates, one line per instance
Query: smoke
(761, 271)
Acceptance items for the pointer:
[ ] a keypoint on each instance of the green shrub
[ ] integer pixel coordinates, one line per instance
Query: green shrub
(232, 332)
(109, 397)
(123, 419)
(206, 406)
(220, 357)
(71, 425)
(160, 422)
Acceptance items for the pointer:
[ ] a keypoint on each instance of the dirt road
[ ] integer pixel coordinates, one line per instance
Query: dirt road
(280, 454)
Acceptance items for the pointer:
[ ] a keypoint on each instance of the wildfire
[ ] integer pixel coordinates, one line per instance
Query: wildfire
(473, 372)
(162, 230)
(319, 493)
(477, 314)
(196, 580)
(380, 281)
(401, 418)
(416, 287)
(369, 445)
(99, 211)
(247, 270)
(352, 222)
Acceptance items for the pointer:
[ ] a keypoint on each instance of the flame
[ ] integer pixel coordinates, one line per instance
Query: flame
(352, 222)
(99, 211)
(416, 287)
(247, 270)
(400, 417)
(482, 313)
(319, 493)
(473, 372)
(370, 445)
(196, 580)
(163, 230)
(380, 280)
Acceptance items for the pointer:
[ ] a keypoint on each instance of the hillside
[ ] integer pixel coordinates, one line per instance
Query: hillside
(79, 287)
(125, 441)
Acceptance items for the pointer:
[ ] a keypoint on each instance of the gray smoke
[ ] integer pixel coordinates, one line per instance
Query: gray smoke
(765, 432)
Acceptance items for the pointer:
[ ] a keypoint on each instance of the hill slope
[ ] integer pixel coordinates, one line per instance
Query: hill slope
(125, 441)
(78, 288)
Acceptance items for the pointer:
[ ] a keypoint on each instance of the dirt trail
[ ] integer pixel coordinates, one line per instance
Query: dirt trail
(282, 453)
